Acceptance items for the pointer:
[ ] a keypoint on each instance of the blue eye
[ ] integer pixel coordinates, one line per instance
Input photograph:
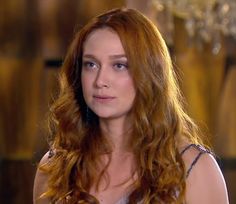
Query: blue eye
(120, 66)
(89, 65)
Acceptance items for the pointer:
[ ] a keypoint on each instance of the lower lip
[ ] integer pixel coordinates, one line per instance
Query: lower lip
(103, 100)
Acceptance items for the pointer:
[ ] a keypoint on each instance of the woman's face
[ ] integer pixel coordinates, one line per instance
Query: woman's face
(108, 88)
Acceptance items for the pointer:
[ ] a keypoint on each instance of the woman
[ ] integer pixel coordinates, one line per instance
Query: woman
(121, 134)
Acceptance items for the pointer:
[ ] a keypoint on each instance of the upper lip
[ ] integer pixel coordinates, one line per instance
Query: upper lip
(103, 96)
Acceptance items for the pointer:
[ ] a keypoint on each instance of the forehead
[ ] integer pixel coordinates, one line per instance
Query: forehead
(103, 40)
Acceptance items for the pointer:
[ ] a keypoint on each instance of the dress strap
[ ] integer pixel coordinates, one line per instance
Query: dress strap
(202, 151)
(51, 153)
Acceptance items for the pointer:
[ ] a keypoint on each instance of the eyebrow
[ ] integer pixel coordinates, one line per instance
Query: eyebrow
(116, 56)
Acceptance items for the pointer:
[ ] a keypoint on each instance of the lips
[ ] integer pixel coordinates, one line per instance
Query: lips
(103, 98)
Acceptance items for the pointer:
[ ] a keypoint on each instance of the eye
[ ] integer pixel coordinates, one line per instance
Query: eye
(89, 65)
(120, 65)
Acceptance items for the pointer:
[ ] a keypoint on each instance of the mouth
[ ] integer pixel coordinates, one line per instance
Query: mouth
(103, 98)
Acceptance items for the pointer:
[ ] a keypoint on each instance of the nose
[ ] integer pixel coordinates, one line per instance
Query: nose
(102, 78)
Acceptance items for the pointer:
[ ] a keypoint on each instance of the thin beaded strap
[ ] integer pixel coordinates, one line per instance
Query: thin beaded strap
(51, 153)
(202, 151)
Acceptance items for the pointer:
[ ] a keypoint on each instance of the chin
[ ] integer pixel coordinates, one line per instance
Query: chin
(106, 116)
(112, 116)
(105, 113)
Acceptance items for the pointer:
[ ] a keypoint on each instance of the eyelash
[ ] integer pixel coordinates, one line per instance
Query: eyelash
(88, 64)
(118, 64)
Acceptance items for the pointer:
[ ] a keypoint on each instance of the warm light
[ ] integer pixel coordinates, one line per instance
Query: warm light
(204, 20)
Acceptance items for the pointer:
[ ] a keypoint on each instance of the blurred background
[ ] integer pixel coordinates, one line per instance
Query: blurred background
(34, 37)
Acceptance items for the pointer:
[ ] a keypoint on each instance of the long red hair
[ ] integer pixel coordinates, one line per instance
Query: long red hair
(159, 120)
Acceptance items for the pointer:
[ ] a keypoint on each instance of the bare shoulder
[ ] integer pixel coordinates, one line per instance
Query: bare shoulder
(40, 182)
(205, 182)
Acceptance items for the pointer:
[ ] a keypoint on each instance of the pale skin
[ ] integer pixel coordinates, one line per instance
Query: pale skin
(109, 91)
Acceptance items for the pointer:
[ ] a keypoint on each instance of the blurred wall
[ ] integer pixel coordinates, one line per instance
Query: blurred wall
(34, 34)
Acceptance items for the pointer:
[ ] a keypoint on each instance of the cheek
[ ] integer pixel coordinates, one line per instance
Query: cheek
(85, 84)
(129, 88)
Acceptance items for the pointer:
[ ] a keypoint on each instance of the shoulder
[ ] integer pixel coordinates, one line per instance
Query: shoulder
(205, 182)
(40, 181)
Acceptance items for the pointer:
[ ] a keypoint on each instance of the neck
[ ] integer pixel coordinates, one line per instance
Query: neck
(118, 131)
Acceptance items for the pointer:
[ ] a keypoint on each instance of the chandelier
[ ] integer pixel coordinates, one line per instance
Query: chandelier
(206, 20)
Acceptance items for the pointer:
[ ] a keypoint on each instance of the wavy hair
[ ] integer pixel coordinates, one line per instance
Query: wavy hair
(160, 123)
